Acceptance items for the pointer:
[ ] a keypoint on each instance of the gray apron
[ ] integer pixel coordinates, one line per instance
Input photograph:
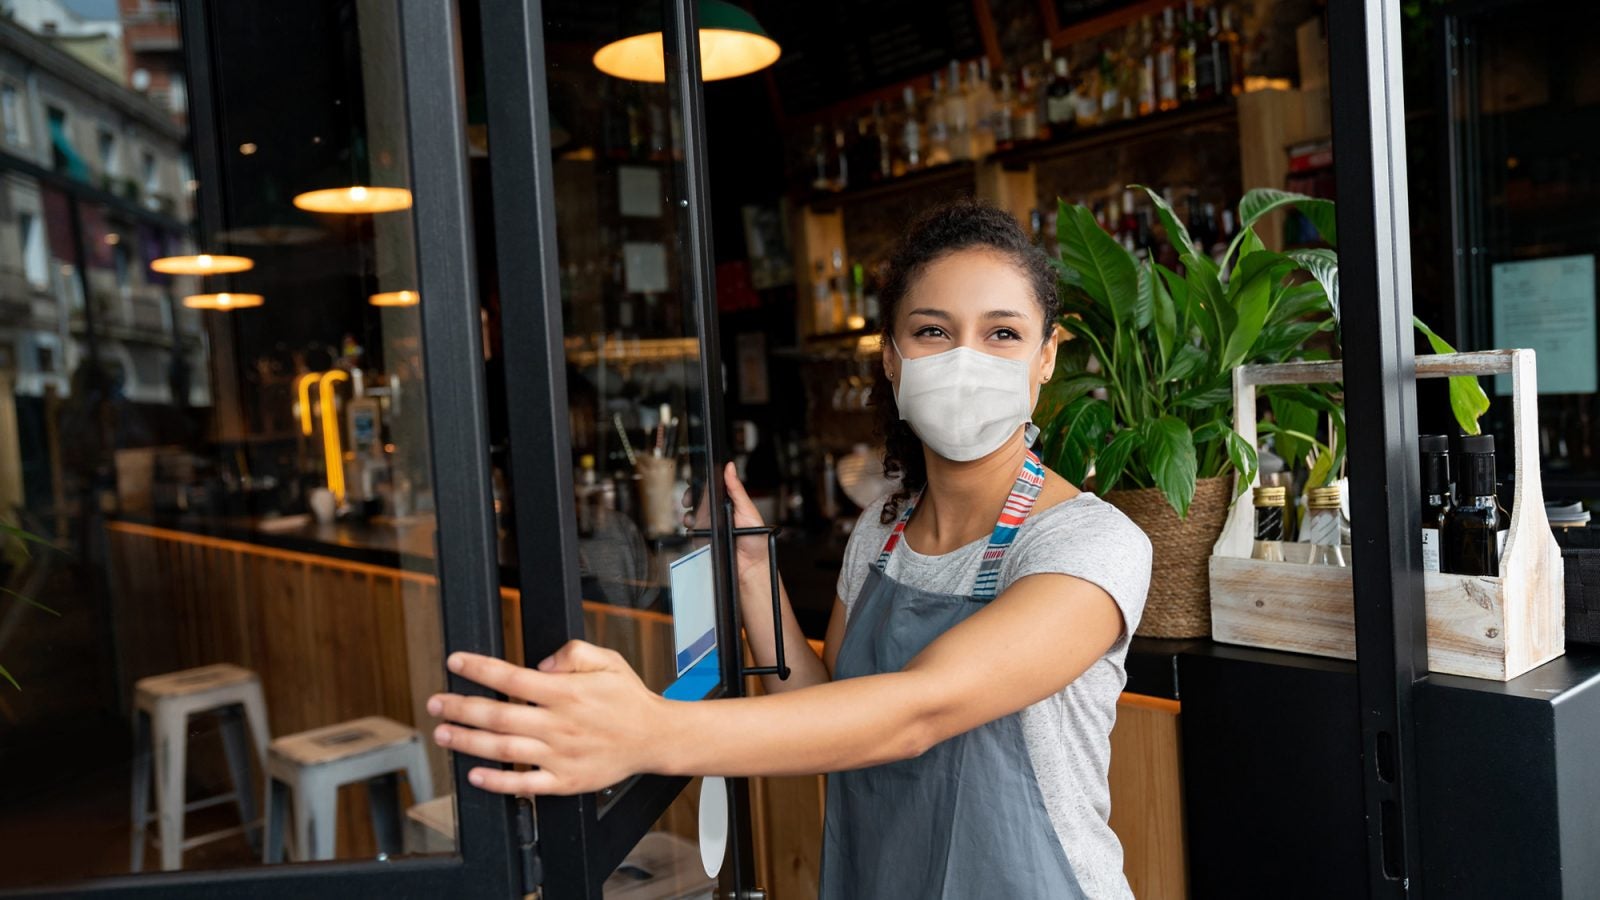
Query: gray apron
(965, 819)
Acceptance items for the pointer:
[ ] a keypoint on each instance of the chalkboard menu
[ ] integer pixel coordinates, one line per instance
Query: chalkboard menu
(1071, 12)
(836, 49)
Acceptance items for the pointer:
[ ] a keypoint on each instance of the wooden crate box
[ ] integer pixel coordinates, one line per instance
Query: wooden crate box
(1495, 627)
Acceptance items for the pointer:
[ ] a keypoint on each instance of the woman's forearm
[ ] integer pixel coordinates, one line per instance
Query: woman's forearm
(755, 604)
(829, 727)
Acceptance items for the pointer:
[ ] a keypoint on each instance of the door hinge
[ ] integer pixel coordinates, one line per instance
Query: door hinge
(528, 848)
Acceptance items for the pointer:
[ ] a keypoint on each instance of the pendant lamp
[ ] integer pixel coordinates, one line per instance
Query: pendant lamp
(223, 302)
(202, 264)
(395, 298)
(732, 43)
(354, 200)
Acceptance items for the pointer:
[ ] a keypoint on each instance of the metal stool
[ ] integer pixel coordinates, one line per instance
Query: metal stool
(163, 705)
(313, 765)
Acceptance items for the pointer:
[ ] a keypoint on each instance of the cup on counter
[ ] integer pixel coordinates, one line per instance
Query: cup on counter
(323, 505)
(659, 508)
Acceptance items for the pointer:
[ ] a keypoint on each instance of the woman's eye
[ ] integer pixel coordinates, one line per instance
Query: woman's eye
(1006, 334)
(929, 331)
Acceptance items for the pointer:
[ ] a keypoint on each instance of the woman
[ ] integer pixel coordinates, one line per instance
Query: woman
(966, 692)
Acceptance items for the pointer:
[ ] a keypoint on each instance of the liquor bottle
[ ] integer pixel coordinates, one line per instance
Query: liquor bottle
(1005, 135)
(1039, 100)
(955, 115)
(1130, 223)
(910, 155)
(1113, 223)
(1166, 53)
(1110, 85)
(819, 159)
(864, 151)
(1146, 235)
(821, 300)
(1195, 221)
(1086, 97)
(858, 297)
(1027, 118)
(840, 159)
(1188, 51)
(880, 127)
(938, 150)
(1226, 232)
(1211, 64)
(1147, 66)
(1269, 503)
(1233, 53)
(1435, 449)
(1324, 525)
(1058, 99)
(980, 107)
(1129, 64)
(1472, 525)
(838, 291)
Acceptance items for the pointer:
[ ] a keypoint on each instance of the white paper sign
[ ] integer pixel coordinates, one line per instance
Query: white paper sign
(1548, 305)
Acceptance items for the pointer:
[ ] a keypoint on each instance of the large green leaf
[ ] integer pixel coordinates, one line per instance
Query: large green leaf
(1064, 388)
(1113, 459)
(1295, 422)
(1164, 315)
(28, 600)
(1177, 235)
(1168, 451)
(1279, 341)
(1299, 300)
(1144, 297)
(1257, 203)
(1207, 306)
(1323, 264)
(1251, 301)
(1104, 268)
(1187, 362)
(1248, 243)
(1467, 399)
(1243, 458)
(1204, 397)
(1080, 430)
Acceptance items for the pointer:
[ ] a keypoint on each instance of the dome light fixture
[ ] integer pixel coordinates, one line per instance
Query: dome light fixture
(354, 200)
(395, 298)
(202, 264)
(732, 43)
(223, 302)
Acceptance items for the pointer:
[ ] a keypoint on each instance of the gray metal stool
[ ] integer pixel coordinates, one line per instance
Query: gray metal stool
(163, 705)
(312, 766)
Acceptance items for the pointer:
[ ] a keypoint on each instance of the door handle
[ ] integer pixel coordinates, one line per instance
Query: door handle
(771, 531)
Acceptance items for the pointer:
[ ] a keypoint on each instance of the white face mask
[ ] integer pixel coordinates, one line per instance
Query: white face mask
(964, 403)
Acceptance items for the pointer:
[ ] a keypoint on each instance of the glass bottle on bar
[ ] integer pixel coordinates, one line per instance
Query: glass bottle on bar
(937, 152)
(910, 157)
(1188, 52)
(1059, 109)
(1435, 449)
(956, 121)
(980, 107)
(1027, 118)
(1211, 62)
(1471, 527)
(1269, 504)
(1324, 526)
(1005, 119)
(1147, 66)
(1166, 54)
(1233, 52)
(880, 128)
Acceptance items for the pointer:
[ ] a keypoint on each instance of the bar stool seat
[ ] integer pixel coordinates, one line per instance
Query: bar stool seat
(311, 766)
(163, 705)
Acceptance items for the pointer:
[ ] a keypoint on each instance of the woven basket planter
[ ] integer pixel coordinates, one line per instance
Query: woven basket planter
(1179, 603)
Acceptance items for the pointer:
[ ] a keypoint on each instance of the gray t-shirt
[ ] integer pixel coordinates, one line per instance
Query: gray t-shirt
(1069, 733)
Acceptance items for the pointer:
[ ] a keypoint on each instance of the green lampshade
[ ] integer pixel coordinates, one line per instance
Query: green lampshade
(732, 43)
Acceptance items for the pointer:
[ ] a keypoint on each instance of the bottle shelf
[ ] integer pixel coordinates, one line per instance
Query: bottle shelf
(1210, 112)
(918, 180)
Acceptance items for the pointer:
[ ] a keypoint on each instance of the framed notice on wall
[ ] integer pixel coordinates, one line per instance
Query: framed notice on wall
(1548, 306)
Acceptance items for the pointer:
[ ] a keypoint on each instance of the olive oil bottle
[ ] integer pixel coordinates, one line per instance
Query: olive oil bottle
(1435, 497)
(1472, 525)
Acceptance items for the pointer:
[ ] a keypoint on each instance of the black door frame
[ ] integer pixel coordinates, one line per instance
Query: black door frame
(488, 862)
(580, 840)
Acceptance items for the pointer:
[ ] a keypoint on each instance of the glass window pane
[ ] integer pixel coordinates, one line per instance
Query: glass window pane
(231, 468)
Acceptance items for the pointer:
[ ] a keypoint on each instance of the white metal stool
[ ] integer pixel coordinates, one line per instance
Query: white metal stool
(313, 765)
(163, 705)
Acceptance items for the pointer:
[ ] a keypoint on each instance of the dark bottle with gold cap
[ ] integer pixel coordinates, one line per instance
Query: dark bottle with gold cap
(1472, 525)
(1269, 503)
(1435, 450)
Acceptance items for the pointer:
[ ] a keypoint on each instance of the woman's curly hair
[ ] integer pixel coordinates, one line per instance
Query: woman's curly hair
(960, 225)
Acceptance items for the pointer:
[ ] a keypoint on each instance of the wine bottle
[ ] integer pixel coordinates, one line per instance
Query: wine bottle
(1471, 526)
(1435, 497)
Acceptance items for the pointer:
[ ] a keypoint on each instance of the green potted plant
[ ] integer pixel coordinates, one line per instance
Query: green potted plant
(1143, 398)
(15, 541)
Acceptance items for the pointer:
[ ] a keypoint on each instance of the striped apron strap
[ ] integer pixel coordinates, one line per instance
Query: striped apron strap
(899, 529)
(1029, 482)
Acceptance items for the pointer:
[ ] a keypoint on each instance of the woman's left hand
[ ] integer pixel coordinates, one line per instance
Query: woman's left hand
(595, 723)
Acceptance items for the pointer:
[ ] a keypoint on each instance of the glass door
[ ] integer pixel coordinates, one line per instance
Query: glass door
(257, 513)
(606, 327)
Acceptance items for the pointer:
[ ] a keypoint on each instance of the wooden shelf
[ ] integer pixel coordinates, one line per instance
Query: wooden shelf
(1211, 112)
(922, 179)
